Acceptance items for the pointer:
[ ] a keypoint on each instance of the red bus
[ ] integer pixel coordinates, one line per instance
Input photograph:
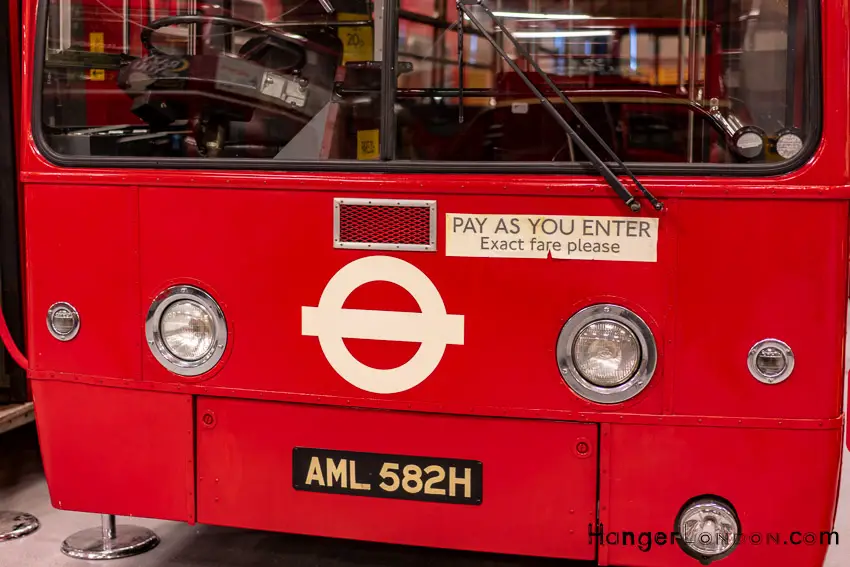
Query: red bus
(378, 272)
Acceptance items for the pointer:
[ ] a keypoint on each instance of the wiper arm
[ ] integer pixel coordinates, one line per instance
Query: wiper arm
(594, 159)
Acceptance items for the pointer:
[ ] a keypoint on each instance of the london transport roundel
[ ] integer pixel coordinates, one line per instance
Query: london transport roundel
(433, 327)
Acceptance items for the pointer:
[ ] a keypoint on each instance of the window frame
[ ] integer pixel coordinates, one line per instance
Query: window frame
(385, 164)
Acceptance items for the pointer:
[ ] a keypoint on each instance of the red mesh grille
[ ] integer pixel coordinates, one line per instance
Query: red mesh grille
(382, 224)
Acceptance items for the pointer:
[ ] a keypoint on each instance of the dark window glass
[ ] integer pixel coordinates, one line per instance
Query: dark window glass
(698, 82)
(727, 81)
(244, 79)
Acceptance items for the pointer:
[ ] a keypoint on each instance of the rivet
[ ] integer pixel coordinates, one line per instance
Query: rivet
(208, 419)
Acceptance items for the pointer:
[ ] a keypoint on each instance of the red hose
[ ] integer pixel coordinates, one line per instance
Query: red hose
(10, 343)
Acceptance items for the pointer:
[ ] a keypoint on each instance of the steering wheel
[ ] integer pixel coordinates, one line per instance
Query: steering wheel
(292, 50)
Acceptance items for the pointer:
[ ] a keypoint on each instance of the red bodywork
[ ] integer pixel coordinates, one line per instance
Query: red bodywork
(739, 259)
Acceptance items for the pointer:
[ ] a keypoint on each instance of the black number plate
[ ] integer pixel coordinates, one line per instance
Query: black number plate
(451, 481)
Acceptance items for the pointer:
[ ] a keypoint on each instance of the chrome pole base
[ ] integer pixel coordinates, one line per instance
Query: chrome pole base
(109, 542)
(16, 524)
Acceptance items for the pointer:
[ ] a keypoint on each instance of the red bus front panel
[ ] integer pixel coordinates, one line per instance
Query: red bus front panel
(117, 451)
(82, 247)
(268, 255)
(778, 481)
(545, 469)
(750, 270)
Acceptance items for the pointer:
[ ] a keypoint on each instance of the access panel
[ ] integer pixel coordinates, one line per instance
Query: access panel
(500, 485)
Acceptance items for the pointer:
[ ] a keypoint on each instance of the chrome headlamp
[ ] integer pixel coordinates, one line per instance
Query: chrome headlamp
(186, 330)
(606, 353)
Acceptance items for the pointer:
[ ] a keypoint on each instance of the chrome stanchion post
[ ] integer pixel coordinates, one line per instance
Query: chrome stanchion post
(109, 541)
(107, 522)
(16, 524)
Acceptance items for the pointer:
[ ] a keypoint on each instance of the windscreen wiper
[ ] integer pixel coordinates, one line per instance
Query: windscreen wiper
(594, 159)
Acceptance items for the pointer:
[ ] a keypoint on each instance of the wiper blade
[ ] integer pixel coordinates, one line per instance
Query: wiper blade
(594, 159)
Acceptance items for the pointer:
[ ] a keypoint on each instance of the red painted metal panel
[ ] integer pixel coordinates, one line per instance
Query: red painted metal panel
(82, 247)
(278, 245)
(116, 451)
(271, 254)
(750, 271)
(538, 494)
(778, 481)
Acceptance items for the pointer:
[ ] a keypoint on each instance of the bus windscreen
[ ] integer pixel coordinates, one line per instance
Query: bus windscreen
(295, 82)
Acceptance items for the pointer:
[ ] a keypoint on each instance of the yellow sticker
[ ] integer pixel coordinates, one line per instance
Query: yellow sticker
(356, 41)
(96, 46)
(367, 144)
(625, 239)
(96, 42)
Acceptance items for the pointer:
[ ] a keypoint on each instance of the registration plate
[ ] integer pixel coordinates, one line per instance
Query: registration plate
(430, 479)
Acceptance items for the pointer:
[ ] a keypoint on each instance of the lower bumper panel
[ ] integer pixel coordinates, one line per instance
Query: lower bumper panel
(517, 486)
(536, 491)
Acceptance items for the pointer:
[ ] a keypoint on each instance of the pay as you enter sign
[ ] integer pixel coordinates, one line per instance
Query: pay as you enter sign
(629, 239)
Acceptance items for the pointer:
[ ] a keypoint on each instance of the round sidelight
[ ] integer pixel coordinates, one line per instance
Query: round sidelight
(606, 353)
(186, 330)
(789, 143)
(708, 528)
(749, 142)
(770, 361)
(63, 321)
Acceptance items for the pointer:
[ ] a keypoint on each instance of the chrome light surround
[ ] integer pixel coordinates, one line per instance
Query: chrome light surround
(579, 384)
(66, 310)
(153, 333)
(762, 345)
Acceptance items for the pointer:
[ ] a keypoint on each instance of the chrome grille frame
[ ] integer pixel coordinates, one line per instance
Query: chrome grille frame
(432, 221)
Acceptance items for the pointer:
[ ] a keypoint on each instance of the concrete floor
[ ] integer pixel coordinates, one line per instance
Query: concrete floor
(23, 488)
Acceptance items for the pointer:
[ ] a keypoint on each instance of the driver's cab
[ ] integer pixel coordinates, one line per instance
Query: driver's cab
(219, 81)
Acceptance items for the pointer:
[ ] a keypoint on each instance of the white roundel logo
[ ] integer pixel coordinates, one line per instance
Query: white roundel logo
(433, 327)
